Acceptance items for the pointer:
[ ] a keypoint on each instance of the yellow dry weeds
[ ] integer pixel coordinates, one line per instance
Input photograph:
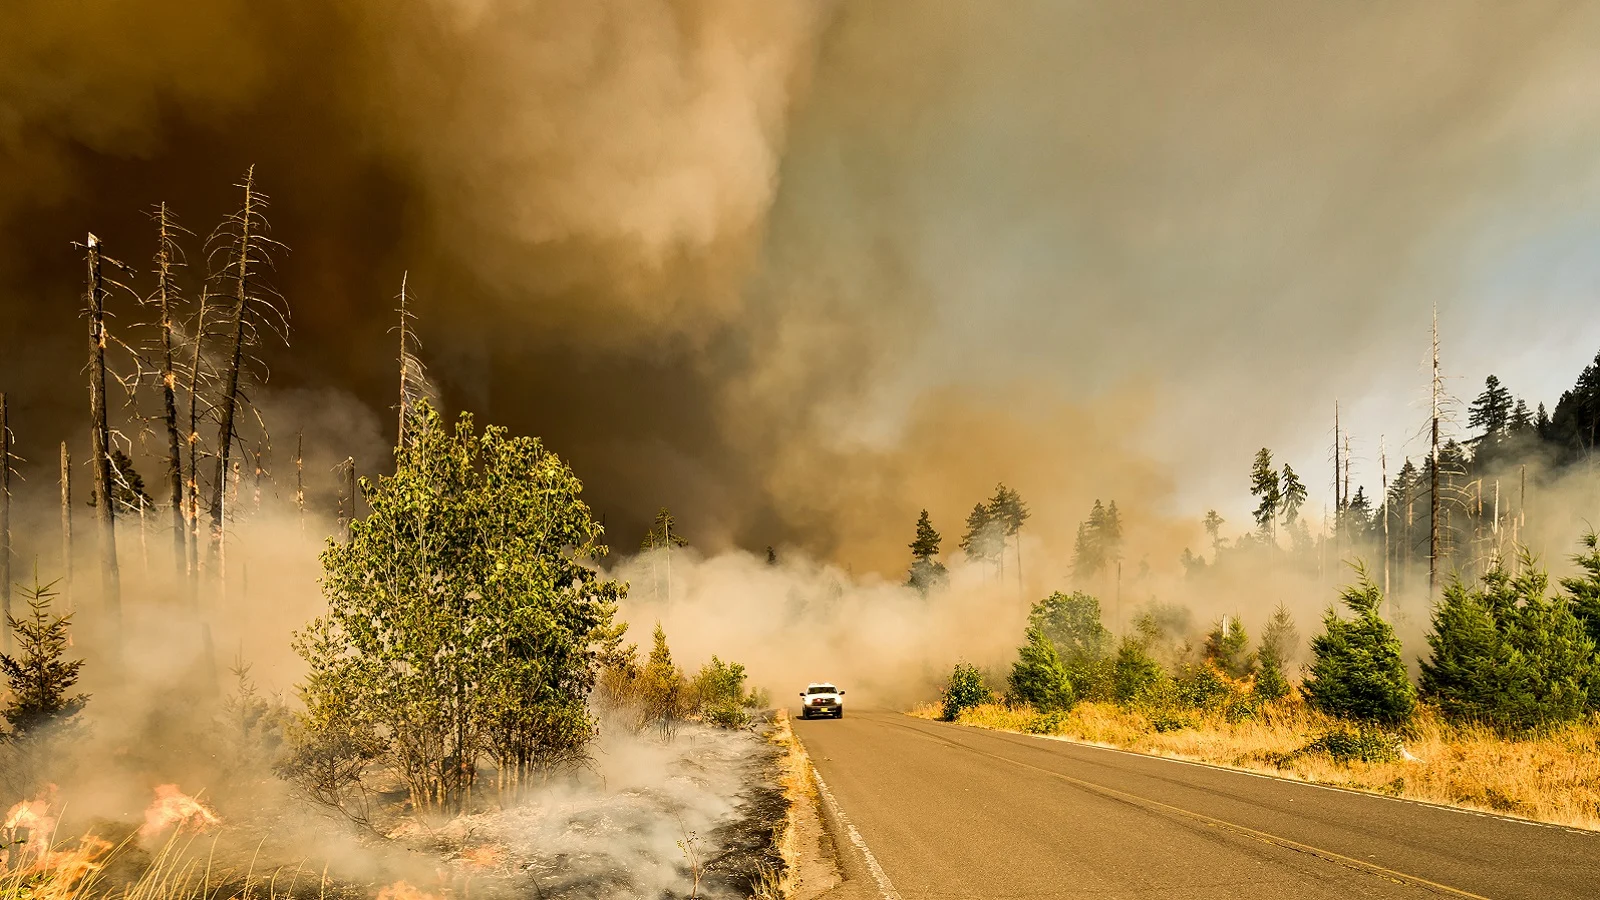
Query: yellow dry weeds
(799, 791)
(1553, 777)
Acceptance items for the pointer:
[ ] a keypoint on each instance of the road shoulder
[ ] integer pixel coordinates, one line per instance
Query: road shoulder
(810, 841)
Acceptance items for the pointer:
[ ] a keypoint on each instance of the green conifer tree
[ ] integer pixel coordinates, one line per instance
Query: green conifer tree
(1228, 648)
(1280, 641)
(1356, 671)
(1137, 674)
(927, 572)
(1213, 524)
(1507, 655)
(41, 681)
(1585, 589)
(1294, 496)
(1038, 677)
(1265, 484)
(1492, 410)
(1521, 418)
(981, 542)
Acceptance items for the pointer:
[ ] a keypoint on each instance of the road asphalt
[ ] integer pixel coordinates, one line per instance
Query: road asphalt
(923, 809)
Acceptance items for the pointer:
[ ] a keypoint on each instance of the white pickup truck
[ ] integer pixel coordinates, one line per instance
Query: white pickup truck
(819, 699)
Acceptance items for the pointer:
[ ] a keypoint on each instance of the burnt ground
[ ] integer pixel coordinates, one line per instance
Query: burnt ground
(649, 817)
(640, 822)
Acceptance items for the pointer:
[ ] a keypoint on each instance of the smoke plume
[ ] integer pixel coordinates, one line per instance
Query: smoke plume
(798, 270)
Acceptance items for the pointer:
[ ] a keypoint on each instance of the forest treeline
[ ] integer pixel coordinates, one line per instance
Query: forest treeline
(1507, 651)
(1461, 508)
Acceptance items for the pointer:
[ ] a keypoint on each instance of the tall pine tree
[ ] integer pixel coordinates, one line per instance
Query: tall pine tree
(927, 572)
(1492, 410)
(1265, 485)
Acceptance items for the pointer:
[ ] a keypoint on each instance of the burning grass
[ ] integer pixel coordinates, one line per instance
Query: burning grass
(1551, 777)
(154, 861)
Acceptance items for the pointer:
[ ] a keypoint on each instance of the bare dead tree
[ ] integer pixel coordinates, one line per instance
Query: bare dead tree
(415, 386)
(243, 239)
(5, 519)
(260, 476)
(66, 525)
(191, 478)
(300, 479)
(347, 496)
(1437, 393)
(105, 515)
(1383, 468)
(168, 257)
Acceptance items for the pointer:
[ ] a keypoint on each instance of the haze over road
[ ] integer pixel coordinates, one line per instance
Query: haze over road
(949, 811)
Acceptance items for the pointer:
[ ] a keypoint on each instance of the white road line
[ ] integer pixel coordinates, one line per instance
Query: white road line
(885, 886)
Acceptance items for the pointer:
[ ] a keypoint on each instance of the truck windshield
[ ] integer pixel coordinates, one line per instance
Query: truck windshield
(821, 689)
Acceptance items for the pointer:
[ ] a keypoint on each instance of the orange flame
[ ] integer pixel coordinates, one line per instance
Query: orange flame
(35, 817)
(173, 807)
(401, 890)
(68, 868)
(484, 857)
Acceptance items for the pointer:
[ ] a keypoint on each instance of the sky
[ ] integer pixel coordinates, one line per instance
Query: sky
(800, 270)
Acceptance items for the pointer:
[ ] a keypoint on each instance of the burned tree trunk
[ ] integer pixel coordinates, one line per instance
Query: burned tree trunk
(165, 298)
(66, 524)
(105, 514)
(1433, 455)
(5, 520)
(300, 480)
(253, 307)
(414, 385)
(1383, 468)
(192, 477)
(233, 356)
(347, 502)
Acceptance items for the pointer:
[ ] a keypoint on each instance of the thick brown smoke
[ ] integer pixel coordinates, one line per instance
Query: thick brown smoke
(797, 269)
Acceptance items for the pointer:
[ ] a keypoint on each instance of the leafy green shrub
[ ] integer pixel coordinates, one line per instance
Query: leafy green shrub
(725, 714)
(964, 691)
(504, 667)
(718, 693)
(1046, 723)
(1038, 678)
(1357, 672)
(1240, 705)
(1072, 623)
(1371, 745)
(1200, 687)
(1093, 679)
(1135, 673)
(1165, 719)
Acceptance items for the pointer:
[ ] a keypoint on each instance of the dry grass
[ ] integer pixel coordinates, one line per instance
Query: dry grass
(77, 870)
(1553, 777)
(800, 792)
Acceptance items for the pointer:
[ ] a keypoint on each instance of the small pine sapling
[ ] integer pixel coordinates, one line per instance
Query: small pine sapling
(40, 680)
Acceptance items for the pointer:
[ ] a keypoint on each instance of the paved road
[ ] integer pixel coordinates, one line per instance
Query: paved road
(931, 810)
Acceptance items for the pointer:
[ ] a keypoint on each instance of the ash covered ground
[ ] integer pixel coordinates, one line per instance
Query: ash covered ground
(640, 822)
